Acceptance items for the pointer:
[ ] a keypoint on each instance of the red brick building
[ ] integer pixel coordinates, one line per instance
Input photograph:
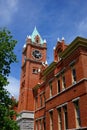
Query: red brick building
(54, 96)
(61, 95)
(33, 55)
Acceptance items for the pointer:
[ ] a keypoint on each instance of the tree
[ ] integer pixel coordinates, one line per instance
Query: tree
(7, 57)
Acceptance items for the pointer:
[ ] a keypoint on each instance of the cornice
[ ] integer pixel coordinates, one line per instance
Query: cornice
(49, 68)
(79, 41)
(37, 45)
(34, 61)
(36, 87)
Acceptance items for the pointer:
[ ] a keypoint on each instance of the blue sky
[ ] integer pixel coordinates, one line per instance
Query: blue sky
(53, 19)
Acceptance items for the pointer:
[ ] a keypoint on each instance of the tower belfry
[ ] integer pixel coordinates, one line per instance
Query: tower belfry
(33, 55)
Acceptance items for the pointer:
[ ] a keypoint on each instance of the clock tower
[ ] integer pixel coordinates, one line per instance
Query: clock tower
(33, 56)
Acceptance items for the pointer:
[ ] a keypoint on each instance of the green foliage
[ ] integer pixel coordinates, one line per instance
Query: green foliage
(7, 57)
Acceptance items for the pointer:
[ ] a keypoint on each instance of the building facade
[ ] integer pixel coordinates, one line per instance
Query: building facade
(33, 55)
(53, 97)
(61, 95)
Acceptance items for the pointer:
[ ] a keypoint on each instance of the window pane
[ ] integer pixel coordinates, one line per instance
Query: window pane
(50, 89)
(59, 119)
(41, 100)
(77, 111)
(73, 75)
(63, 82)
(65, 117)
(35, 70)
(58, 85)
(51, 120)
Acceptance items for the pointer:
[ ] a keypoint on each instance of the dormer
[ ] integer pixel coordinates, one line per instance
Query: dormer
(60, 47)
(37, 39)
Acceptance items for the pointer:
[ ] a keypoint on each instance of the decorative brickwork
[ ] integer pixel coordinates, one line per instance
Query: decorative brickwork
(53, 97)
(64, 84)
(34, 54)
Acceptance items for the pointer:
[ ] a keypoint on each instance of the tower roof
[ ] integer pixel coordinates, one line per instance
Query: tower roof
(34, 34)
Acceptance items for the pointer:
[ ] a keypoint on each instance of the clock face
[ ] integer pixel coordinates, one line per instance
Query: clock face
(37, 54)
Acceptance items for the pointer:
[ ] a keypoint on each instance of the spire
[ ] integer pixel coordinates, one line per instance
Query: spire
(34, 34)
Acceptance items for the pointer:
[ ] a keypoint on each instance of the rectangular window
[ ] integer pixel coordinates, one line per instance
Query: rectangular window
(58, 84)
(44, 99)
(36, 102)
(39, 124)
(77, 113)
(50, 84)
(51, 120)
(65, 117)
(41, 100)
(59, 119)
(44, 125)
(36, 125)
(63, 82)
(35, 71)
(73, 75)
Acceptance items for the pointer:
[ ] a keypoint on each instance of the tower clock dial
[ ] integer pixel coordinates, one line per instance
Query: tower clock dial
(37, 54)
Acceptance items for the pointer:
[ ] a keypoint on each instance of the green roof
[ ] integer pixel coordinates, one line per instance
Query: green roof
(34, 34)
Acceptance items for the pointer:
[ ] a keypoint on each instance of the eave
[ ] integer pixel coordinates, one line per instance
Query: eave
(36, 87)
(79, 41)
(49, 68)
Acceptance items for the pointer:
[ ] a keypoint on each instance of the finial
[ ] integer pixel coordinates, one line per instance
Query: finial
(24, 46)
(58, 39)
(43, 64)
(63, 39)
(46, 63)
(54, 48)
(45, 41)
(35, 27)
(28, 37)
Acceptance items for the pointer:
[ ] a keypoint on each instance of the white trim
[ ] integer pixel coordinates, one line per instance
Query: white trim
(71, 86)
(80, 128)
(25, 114)
(50, 110)
(43, 92)
(75, 99)
(42, 117)
(50, 81)
(62, 105)
(72, 63)
(60, 72)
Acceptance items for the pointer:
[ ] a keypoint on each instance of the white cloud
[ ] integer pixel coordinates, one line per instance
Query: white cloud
(7, 10)
(13, 86)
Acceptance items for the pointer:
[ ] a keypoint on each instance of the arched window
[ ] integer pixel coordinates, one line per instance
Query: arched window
(37, 39)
